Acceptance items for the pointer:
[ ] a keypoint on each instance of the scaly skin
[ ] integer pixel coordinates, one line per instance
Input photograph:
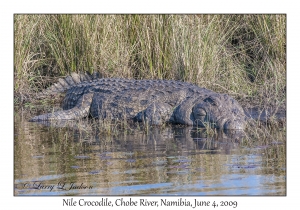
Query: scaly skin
(153, 101)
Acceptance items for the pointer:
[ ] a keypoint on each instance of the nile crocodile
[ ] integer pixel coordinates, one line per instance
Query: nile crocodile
(152, 101)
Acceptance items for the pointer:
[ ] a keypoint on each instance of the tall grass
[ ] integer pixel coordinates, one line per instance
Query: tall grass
(242, 55)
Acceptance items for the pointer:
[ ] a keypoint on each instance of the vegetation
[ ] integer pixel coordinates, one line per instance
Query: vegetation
(241, 55)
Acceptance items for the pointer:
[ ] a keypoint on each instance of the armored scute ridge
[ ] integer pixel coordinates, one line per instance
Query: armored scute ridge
(152, 101)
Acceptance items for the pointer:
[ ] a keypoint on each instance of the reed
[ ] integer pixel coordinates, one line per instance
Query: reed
(242, 55)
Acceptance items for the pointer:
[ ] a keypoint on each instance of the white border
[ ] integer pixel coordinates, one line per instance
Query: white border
(8, 8)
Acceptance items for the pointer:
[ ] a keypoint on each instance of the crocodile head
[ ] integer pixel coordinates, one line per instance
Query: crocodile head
(216, 111)
(219, 111)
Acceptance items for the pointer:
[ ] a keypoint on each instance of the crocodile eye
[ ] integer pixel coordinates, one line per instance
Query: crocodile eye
(199, 112)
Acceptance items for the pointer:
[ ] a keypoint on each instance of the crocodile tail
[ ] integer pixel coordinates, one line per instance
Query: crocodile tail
(81, 110)
(70, 81)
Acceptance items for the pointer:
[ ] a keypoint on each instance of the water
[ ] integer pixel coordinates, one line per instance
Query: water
(81, 160)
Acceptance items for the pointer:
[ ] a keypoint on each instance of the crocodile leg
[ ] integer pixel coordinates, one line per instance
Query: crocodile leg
(81, 110)
(157, 113)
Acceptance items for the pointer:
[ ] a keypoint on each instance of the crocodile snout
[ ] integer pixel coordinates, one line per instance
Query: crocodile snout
(234, 124)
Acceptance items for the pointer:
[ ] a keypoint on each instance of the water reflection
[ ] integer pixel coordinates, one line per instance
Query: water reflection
(79, 160)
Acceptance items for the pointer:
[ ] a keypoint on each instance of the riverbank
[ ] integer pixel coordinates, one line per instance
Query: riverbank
(240, 55)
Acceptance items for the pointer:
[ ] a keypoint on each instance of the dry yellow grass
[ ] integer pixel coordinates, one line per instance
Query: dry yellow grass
(241, 55)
